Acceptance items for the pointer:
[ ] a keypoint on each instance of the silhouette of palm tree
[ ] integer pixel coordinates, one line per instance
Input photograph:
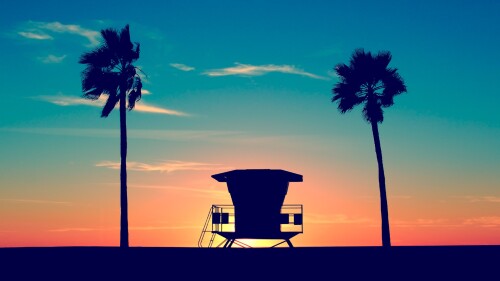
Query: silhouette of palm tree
(109, 71)
(368, 80)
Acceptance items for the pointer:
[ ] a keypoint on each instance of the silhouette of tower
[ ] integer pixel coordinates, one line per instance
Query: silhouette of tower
(257, 211)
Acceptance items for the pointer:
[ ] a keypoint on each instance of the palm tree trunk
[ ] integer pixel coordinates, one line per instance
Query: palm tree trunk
(386, 235)
(123, 171)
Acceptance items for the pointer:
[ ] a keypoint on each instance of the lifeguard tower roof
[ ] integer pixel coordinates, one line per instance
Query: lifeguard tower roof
(255, 174)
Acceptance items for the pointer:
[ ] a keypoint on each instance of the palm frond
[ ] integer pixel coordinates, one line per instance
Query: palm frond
(367, 79)
(136, 94)
(382, 60)
(347, 104)
(363, 67)
(134, 53)
(343, 71)
(349, 76)
(95, 77)
(129, 73)
(99, 57)
(111, 39)
(360, 59)
(393, 83)
(127, 51)
(93, 94)
(91, 78)
(110, 105)
(346, 96)
(372, 111)
(109, 66)
(125, 48)
(386, 100)
(125, 42)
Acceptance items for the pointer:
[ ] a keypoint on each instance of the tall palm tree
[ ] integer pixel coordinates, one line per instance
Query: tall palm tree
(109, 71)
(368, 80)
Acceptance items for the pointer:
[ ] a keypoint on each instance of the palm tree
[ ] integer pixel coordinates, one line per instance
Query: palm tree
(109, 71)
(368, 80)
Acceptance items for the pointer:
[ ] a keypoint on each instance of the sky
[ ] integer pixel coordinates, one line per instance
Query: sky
(242, 85)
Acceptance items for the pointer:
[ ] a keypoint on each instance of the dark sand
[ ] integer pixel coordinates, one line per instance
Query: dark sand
(332, 263)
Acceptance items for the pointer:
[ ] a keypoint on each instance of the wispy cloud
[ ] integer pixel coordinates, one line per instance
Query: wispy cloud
(201, 191)
(389, 196)
(182, 67)
(35, 201)
(52, 59)
(143, 107)
(487, 221)
(335, 219)
(38, 30)
(475, 199)
(146, 227)
(140, 106)
(76, 229)
(216, 136)
(37, 35)
(67, 101)
(258, 70)
(91, 35)
(175, 227)
(165, 166)
(423, 223)
(203, 136)
(173, 135)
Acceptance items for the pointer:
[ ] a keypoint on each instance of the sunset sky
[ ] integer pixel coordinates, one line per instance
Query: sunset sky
(247, 84)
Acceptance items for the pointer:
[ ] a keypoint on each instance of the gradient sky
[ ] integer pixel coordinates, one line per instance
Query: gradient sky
(247, 84)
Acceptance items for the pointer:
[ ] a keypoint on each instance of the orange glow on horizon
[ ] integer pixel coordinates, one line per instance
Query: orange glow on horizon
(169, 209)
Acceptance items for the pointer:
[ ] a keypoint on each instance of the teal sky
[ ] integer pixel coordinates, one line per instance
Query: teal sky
(247, 84)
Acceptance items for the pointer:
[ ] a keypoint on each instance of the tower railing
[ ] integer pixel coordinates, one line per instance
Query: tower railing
(221, 219)
(292, 218)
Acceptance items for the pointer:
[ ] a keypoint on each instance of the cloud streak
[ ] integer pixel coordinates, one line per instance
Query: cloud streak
(487, 221)
(200, 136)
(424, 223)
(35, 35)
(52, 59)
(35, 201)
(200, 191)
(165, 166)
(141, 106)
(335, 219)
(172, 135)
(182, 67)
(180, 227)
(259, 70)
(487, 199)
(91, 35)
(76, 229)
(146, 227)
(38, 31)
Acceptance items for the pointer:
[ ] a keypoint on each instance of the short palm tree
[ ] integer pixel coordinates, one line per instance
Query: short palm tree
(369, 81)
(109, 71)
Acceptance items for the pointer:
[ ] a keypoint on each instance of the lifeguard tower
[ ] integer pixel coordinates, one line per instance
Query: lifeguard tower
(257, 211)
